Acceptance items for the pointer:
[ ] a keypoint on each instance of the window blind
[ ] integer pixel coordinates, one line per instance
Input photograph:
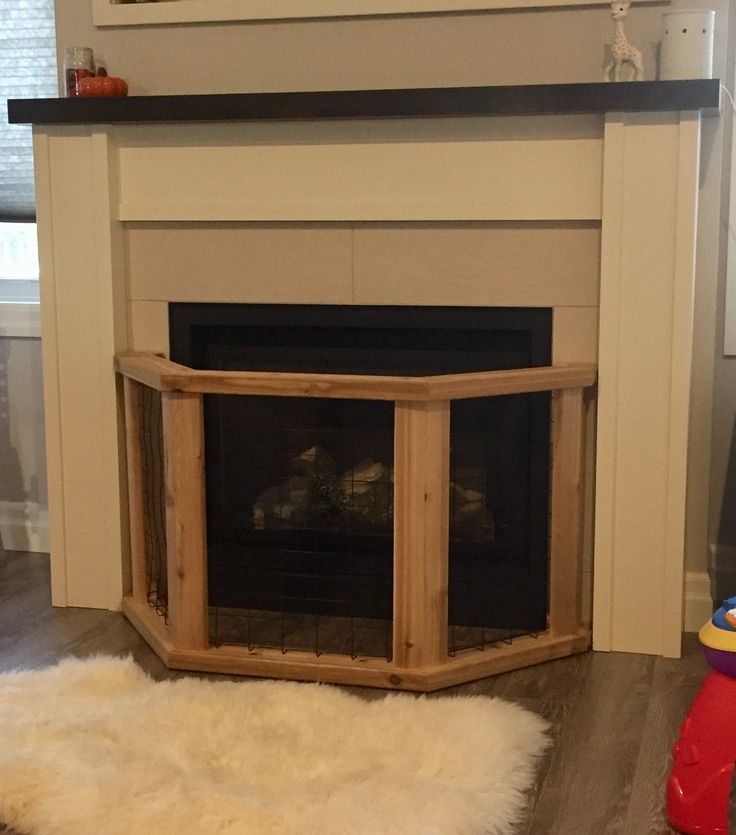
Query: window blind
(27, 70)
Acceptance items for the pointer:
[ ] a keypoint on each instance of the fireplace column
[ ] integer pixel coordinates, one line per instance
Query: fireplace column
(650, 198)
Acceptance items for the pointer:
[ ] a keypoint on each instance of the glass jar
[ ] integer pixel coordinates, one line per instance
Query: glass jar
(78, 63)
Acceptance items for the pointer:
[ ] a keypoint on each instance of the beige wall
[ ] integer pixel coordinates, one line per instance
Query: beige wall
(512, 47)
(482, 264)
(503, 264)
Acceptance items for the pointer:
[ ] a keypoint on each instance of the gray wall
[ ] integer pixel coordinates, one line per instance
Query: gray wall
(23, 496)
(723, 460)
(723, 507)
(505, 47)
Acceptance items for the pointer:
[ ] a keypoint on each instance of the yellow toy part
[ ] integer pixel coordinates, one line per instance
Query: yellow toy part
(714, 638)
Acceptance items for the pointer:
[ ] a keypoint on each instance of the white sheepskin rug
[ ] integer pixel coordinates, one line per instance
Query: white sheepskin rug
(96, 747)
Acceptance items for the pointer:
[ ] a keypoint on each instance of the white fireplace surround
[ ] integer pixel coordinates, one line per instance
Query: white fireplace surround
(636, 174)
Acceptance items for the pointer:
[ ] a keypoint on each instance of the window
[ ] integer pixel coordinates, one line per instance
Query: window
(19, 280)
(18, 262)
(27, 70)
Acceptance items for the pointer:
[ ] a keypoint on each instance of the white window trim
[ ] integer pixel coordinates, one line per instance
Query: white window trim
(20, 319)
(109, 13)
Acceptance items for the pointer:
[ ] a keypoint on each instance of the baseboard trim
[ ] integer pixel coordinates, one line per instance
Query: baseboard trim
(698, 600)
(24, 526)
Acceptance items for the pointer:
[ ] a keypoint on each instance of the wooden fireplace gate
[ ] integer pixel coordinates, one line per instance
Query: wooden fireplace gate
(420, 659)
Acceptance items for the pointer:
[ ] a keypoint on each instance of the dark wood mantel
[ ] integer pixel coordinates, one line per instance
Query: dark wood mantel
(527, 100)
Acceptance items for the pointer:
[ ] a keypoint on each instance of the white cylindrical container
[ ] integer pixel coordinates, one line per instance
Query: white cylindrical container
(687, 45)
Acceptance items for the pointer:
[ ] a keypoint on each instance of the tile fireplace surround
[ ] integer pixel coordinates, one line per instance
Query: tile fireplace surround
(619, 159)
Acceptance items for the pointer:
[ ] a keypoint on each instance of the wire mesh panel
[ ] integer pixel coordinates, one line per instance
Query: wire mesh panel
(154, 498)
(499, 500)
(356, 637)
(309, 501)
(300, 523)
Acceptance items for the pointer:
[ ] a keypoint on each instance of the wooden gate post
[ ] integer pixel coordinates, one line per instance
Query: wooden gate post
(421, 532)
(186, 537)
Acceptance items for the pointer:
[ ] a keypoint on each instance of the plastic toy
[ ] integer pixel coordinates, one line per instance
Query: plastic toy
(622, 51)
(702, 777)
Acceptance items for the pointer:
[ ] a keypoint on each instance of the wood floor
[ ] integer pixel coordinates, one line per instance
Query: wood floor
(614, 716)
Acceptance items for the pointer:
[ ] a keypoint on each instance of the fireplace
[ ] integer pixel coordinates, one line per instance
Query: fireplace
(299, 491)
(375, 495)
(380, 180)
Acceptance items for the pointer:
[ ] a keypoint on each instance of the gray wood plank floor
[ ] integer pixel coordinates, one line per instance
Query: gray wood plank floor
(614, 716)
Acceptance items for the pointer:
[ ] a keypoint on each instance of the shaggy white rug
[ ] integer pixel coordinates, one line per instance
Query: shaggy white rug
(96, 747)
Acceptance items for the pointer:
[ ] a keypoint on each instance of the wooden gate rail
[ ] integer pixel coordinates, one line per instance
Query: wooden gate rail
(421, 522)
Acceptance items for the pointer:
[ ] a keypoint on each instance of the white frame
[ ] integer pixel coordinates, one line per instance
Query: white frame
(107, 13)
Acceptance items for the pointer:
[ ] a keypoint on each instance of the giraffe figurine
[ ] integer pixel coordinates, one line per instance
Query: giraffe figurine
(622, 52)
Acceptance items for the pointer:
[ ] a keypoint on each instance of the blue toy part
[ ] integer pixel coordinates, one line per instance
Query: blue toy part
(719, 616)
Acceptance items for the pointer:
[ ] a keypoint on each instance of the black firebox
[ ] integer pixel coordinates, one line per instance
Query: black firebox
(300, 490)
